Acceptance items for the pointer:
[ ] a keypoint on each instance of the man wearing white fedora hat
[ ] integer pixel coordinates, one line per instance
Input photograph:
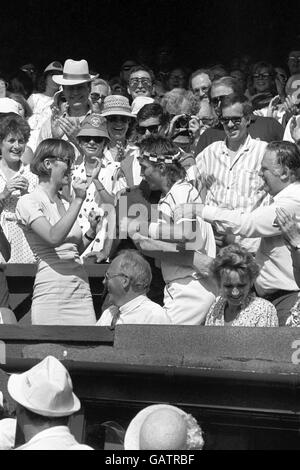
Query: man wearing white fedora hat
(76, 83)
(45, 401)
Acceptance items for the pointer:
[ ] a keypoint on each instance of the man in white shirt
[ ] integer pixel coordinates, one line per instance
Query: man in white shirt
(229, 170)
(45, 401)
(128, 280)
(280, 170)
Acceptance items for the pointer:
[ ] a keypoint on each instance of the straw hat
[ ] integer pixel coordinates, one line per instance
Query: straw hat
(93, 125)
(116, 105)
(75, 72)
(157, 427)
(45, 389)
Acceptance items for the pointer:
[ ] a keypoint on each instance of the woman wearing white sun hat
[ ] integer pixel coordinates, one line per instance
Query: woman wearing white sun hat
(120, 119)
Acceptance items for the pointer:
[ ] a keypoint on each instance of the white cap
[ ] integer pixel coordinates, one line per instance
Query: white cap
(139, 102)
(7, 105)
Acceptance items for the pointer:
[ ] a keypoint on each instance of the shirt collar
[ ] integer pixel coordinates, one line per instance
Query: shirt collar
(291, 189)
(132, 304)
(244, 148)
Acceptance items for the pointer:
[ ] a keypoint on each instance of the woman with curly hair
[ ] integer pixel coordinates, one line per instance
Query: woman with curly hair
(235, 271)
(16, 179)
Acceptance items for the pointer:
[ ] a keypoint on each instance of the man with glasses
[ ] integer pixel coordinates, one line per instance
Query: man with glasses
(151, 119)
(263, 128)
(141, 82)
(200, 84)
(127, 281)
(229, 169)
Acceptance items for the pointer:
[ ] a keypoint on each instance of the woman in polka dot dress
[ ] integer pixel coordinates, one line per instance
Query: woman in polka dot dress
(16, 179)
(104, 178)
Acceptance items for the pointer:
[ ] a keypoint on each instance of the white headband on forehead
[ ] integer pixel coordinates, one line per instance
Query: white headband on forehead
(153, 157)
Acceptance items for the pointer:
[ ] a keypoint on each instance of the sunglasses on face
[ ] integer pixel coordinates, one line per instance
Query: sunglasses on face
(117, 118)
(88, 138)
(145, 82)
(98, 97)
(207, 121)
(261, 75)
(68, 160)
(236, 120)
(152, 129)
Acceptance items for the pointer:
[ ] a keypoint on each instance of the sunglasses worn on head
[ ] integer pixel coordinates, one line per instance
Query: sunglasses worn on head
(234, 119)
(261, 75)
(145, 82)
(152, 129)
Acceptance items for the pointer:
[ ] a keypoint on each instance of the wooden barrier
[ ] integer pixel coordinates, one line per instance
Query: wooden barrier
(242, 384)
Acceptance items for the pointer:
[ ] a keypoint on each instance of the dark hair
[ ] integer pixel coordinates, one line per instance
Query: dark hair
(152, 110)
(159, 145)
(20, 82)
(287, 154)
(234, 98)
(23, 102)
(235, 258)
(49, 148)
(143, 68)
(12, 123)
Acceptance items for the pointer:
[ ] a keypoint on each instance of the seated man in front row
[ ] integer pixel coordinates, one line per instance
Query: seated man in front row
(127, 280)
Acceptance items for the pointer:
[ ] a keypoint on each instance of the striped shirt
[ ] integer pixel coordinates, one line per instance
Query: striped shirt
(232, 184)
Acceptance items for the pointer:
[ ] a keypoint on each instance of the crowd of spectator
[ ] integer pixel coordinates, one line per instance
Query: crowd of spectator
(184, 183)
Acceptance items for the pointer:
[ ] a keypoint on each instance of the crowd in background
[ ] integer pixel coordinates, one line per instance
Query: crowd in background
(211, 159)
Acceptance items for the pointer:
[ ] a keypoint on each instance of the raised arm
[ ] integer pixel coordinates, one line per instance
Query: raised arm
(56, 234)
